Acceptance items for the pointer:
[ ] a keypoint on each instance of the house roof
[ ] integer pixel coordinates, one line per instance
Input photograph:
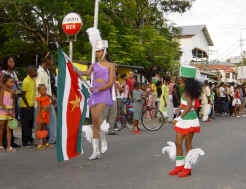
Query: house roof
(190, 31)
(215, 67)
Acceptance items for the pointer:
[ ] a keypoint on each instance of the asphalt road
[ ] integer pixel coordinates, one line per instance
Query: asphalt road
(135, 162)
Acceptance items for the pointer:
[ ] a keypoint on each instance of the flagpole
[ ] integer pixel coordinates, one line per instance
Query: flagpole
(96, 13)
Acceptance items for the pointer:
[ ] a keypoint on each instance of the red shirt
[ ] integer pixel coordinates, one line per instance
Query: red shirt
(130, 82)
(237, 94)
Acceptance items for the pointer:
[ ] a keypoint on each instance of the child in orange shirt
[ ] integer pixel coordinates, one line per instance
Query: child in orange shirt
(43, 118)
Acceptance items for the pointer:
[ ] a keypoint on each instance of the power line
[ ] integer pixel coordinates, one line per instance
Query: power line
(229, 53)
(228, 49)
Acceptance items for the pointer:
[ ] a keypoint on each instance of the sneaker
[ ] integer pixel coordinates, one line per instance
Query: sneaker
(40, 147)
(47, 145)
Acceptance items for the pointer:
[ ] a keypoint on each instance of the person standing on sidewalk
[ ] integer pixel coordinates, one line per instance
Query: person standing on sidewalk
(206, 104)
(44, 77)
(124, 94)
(9, 69)
(164, 99)
(170, 96)
(7, 113)
(27, 105)
(130, 82)
(138, 101)
(242, 95)
(111, 112)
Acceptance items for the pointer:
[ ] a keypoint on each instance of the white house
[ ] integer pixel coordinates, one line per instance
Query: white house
(194, 42)
(224, 72)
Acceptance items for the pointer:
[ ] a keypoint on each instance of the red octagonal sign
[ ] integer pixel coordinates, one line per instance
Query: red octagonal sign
(72, 23)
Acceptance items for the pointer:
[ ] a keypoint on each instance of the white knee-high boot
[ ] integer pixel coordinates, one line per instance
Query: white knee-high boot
(104, 143)
(96, 152)
(104, 129)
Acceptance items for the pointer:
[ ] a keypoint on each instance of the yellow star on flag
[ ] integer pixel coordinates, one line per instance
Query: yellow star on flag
(75, 103)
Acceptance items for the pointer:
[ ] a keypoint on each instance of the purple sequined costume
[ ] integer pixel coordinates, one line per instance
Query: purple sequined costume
(104, 97)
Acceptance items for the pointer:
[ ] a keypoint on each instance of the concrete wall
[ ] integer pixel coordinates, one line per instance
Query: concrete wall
(186, 47)
(200, 41)
(188, 44)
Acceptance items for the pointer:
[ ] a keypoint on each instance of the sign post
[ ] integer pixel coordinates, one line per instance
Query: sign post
(71, 49)
(71, 26)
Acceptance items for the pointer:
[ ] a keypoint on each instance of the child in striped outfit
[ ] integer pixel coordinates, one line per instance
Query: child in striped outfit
(187, 124)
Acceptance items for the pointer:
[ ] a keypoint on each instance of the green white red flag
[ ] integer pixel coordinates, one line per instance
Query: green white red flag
(72, 107)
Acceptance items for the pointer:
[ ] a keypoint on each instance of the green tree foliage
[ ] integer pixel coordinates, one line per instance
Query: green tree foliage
(136, 29)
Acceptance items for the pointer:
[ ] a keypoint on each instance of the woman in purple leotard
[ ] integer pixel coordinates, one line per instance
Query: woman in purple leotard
(103, 78)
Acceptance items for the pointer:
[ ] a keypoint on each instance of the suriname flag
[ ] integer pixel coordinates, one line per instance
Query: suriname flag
(72, 96)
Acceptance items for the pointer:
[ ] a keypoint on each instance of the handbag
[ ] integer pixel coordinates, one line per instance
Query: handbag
(13, 124)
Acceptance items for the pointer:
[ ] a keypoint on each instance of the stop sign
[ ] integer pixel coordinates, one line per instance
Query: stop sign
(72, 23)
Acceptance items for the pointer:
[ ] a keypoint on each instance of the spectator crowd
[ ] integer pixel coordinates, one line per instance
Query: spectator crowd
(33, 102)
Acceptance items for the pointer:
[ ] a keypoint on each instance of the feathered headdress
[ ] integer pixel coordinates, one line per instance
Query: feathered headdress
(94, 36)
(96, 41)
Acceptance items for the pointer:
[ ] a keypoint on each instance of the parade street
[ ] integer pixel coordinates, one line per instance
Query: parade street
(135, 162)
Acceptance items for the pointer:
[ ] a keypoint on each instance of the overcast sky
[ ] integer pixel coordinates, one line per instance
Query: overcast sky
(224, 19)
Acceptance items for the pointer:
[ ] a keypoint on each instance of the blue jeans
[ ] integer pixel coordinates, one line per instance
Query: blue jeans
(51, 126)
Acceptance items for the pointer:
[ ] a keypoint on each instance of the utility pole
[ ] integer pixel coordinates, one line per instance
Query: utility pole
(241, 44)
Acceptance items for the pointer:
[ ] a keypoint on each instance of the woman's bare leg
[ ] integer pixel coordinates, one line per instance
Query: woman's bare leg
(96, 112)
(188, 142)
(95, 123)
(179, 155)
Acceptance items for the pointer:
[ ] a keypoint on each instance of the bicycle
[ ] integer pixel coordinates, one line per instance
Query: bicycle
(152, 118)
(125, 119)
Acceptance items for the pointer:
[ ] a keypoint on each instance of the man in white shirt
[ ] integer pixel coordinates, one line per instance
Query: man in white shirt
(222, 92)
(45, 78)
(223, 98)
(110, 112)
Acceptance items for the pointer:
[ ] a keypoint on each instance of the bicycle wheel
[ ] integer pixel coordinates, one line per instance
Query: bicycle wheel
(152, 119)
